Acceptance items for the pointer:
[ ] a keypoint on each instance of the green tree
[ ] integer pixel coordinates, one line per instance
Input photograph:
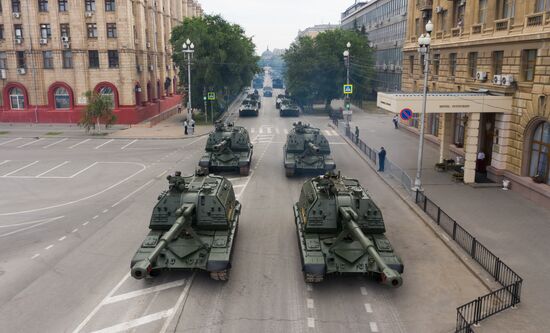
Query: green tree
(224, 60)
(99, 110)
(316, 68)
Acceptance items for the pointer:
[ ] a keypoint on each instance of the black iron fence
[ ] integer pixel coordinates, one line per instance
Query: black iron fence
(471, 313)
(485, 306)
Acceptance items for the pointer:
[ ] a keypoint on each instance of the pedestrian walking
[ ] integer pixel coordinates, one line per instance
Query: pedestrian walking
(179, 108)
(381, 159)
(396, 122)
(356, 135)
(185, 127)
(192, 125)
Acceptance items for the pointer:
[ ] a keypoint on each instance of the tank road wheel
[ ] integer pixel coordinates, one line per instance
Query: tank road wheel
(313, 278)
(244, 170)
(289, 172)
(220, 276)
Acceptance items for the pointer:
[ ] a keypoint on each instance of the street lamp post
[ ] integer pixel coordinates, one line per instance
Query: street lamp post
(424, 49)
(188, 49)
(347, 62)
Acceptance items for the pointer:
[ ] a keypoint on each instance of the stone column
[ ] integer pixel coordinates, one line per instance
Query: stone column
(471, 147)
(446, 135)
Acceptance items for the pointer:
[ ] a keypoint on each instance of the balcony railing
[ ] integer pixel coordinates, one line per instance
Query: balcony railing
(534, 20)
(477, 28)
(456, 32)
(503, 24)
(424, 4)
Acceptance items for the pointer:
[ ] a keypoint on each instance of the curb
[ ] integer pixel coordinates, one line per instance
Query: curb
(472, 266)
(111, 138)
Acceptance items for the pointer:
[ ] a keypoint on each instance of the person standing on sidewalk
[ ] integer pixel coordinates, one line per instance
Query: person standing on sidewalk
(356, 135)
(396, 122)
(381, 159)
(185, 127)
(192, 124)
(179, 108)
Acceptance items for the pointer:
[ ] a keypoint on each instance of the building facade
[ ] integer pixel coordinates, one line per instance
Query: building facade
(316, 29)
(384, 22)
(499, 48)
(53, 51)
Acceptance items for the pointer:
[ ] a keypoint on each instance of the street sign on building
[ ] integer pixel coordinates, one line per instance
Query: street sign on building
(406, 114)
(348, 89)
(211, 96)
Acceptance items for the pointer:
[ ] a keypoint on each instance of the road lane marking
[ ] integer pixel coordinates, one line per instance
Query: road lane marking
(368, 308)
(309, 287)
(277, 130)
(252, 130)
(36, 224)
(78, 144)
(35, 256)
(269, 130)
(85, 222)
(128, 145)
(104, 143)
(142, 292)
(62, 238)
(132, 193)
(364, 291)
(286, 131)
(105, 211)
(53, 144)
(136, 322)
(75, 230)
(373, 326)
(21, 168)
(29, 143)
(48, 247)
(181, 300)
(260, 130)
(81, 171)
(9, 141)
(95, 217)
(161, 174)
(310, 303)
(6, 161)
(310, 322)
(52, 169)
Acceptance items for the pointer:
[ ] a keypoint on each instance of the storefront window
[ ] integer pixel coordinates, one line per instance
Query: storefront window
(540, 153)
(17, 99)
(62, 98)
(108, 92)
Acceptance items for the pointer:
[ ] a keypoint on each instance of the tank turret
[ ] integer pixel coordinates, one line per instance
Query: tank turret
(193, 226)
(341, 231)
(307, 150)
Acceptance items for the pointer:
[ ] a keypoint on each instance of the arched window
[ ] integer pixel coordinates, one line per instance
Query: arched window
(540, 153)
(108, 92)
(62, 98)
(17, 99)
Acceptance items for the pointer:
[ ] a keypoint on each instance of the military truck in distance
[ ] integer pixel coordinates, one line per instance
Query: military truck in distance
(341, 231)
(193, 226)
(228, 148)
(306, 150)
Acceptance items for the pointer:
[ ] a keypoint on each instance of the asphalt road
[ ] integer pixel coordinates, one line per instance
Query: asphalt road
(73, 213)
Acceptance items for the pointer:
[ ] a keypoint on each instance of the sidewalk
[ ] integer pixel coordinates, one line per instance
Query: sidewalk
(511, 226)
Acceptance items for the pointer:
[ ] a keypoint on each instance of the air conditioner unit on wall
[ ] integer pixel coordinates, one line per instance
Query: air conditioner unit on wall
(506, 80)
(148, 45)
(16, 15)
(462, 3)
(138, 68)
(66, 45)
(89, 14)
(65, 39)
(151, 67)
(18, 41)
(43, 41)
(439, 9)
(392, 67)
(497, 79)
(3, 74)
(21, 71)
(481, 76)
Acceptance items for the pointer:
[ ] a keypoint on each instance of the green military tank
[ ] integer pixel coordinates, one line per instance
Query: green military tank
(249, 108)
(193, 226)
(306, 150)
(228, 148)
(341, 231)
(289, 110)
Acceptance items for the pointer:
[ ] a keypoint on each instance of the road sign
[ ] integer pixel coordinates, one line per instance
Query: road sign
(348, 89)
(406, 114)
(211, 96)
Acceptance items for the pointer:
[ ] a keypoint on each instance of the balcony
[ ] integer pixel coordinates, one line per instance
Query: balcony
(535, 20)
(424, 4)
(477, 28)
(503, 24)
(456, 32)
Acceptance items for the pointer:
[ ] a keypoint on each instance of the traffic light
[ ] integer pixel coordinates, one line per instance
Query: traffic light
(348, 105)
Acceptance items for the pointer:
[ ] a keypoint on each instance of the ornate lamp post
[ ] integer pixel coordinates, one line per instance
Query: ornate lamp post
(188, 49)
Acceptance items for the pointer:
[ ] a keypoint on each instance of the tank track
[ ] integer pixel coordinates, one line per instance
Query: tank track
(289, 172)
(220, 276)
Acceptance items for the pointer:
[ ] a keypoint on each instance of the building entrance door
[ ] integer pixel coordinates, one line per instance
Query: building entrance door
(486, 135)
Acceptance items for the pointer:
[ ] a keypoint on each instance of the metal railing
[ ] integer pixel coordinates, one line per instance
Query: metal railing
(471, 313)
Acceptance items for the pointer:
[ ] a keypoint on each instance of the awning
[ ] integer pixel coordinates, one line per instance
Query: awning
(445, 102)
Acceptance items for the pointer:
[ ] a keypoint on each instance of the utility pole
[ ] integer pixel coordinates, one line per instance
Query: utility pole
(188, 50)
(347, 102)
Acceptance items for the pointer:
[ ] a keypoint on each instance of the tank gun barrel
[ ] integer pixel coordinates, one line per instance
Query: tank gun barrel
(314, 147)
(389, 276)
(142, 268)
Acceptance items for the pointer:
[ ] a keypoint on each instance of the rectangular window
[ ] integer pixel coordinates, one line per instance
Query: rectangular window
(472, 64)
(3, 60)
(18, 31)
(542, 6)
(42, 5)
(498, 60)
(48, 59)
(113, 58)
(67, 59)
(1, 31)
(65, 30)
(411, 65)
(528, 60)
(16, 6)
(110, 5)
(111, 30)
(505, 9)
(45, 31)
(417, 27)
(452, 64)
(433, 120)
(459, 129)
(482, 14)
(93, 59)
(20, 59)
(63, 5)
(89, 5)
(92, 30)
(437, 58)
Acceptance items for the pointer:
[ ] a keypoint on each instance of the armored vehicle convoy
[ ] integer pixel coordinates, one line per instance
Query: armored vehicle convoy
(228, 148)
(306, 150)
(289, 109)
(249, 108)
(193, 226)
(341, 231)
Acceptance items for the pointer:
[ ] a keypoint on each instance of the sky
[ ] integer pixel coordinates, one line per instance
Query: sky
(275, 23)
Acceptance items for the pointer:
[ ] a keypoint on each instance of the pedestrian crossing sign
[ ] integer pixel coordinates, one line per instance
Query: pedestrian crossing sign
(348, 89)
(211, 96)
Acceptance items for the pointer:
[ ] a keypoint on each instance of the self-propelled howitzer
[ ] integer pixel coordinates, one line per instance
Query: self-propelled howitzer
(341, 231)
(193, 226)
